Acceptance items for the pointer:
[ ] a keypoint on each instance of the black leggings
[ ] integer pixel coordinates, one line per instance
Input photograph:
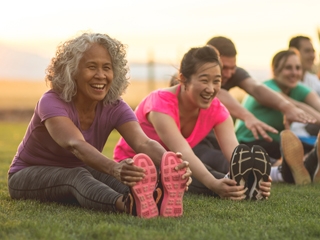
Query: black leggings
(273, 148)
(84, 185)
(214, 160)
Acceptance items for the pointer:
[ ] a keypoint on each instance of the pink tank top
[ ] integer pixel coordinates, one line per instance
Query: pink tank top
(166, 102)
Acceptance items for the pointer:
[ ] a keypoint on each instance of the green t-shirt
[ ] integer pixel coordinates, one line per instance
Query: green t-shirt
(267, 115)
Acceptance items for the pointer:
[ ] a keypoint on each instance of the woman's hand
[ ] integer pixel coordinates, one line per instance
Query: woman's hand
(127, 173)
(265, 188)
(227, 189)
(188, 173)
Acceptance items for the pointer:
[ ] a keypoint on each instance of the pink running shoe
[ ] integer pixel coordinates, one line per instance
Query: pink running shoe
(173, 186)
(142, 192)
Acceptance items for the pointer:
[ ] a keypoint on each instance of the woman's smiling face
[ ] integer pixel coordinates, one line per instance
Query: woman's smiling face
(204, 85)
(290, 73)
(95, 74)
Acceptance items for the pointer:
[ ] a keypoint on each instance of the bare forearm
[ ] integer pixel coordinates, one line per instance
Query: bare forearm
(308, 109)
(277, 101)
(234, 107)
(92, 157)
(153, 149)
(199, 171)
(272, 99)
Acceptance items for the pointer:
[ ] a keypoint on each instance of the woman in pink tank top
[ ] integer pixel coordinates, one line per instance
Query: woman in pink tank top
(179, 117)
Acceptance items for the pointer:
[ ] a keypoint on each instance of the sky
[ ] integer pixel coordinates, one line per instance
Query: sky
(163, 30)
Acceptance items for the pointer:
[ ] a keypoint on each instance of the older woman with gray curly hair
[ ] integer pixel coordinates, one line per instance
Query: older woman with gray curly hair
(60, 157)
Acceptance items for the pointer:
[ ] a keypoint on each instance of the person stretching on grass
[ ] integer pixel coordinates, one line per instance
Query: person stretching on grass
(60, 157)
(179, 117)
(234, 76)
(287, 70)
(307, 133)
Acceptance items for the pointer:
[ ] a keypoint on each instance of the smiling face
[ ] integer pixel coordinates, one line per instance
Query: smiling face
(228, 68)
(94, 75)
(204, 85)
(289, 73)
(307, 54)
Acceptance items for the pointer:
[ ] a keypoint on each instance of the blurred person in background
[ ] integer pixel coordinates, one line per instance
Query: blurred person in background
(234, 76)
(306, 132)
(287, 72)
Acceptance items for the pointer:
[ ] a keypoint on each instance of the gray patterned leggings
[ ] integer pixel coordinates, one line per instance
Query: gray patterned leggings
(89, 187)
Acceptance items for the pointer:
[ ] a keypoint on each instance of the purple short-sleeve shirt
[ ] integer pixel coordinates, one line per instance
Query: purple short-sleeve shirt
(38, 147)
(167, 102)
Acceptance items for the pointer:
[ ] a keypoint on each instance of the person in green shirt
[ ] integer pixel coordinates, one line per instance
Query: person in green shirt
(287, 72)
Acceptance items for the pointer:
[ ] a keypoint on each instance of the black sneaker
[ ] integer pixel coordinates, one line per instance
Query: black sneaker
(312, 162)
(292, 159)
(241, 167)
(286, 172)
(142, 203)
(261, 171)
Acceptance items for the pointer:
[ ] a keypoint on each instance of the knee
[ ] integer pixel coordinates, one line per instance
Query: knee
(79, 173)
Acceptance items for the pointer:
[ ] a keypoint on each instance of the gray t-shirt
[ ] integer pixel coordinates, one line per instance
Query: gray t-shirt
(38, 147)
(239, 75)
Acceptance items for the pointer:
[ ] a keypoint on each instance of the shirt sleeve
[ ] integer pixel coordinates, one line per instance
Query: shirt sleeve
(121, 113)
(51, 105)
(239, 75)
(163, 102)
(300, 92)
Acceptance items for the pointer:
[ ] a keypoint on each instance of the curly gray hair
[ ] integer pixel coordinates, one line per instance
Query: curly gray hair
(63, 66)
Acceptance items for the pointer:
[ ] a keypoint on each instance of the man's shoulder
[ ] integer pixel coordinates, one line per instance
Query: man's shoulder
(240, 74)
(241, 70)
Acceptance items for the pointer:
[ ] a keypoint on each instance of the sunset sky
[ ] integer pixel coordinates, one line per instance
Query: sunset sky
(165, 29)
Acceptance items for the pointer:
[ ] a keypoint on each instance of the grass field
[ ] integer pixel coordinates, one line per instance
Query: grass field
(291, 213)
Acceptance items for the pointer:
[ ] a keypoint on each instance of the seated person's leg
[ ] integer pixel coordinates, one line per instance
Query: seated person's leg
(313, 129)
(272, 148)
(198, 188)
(63, 185)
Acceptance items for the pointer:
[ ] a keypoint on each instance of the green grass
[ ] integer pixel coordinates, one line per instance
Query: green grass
(291, 212)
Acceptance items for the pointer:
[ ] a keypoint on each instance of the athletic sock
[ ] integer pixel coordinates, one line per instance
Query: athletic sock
(276, 175)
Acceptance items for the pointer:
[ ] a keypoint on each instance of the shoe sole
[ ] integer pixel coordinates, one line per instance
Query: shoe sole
(293, 154)
(261, 171)
(143, 191)
(241, 166)
(173, 186)
(316, 176)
